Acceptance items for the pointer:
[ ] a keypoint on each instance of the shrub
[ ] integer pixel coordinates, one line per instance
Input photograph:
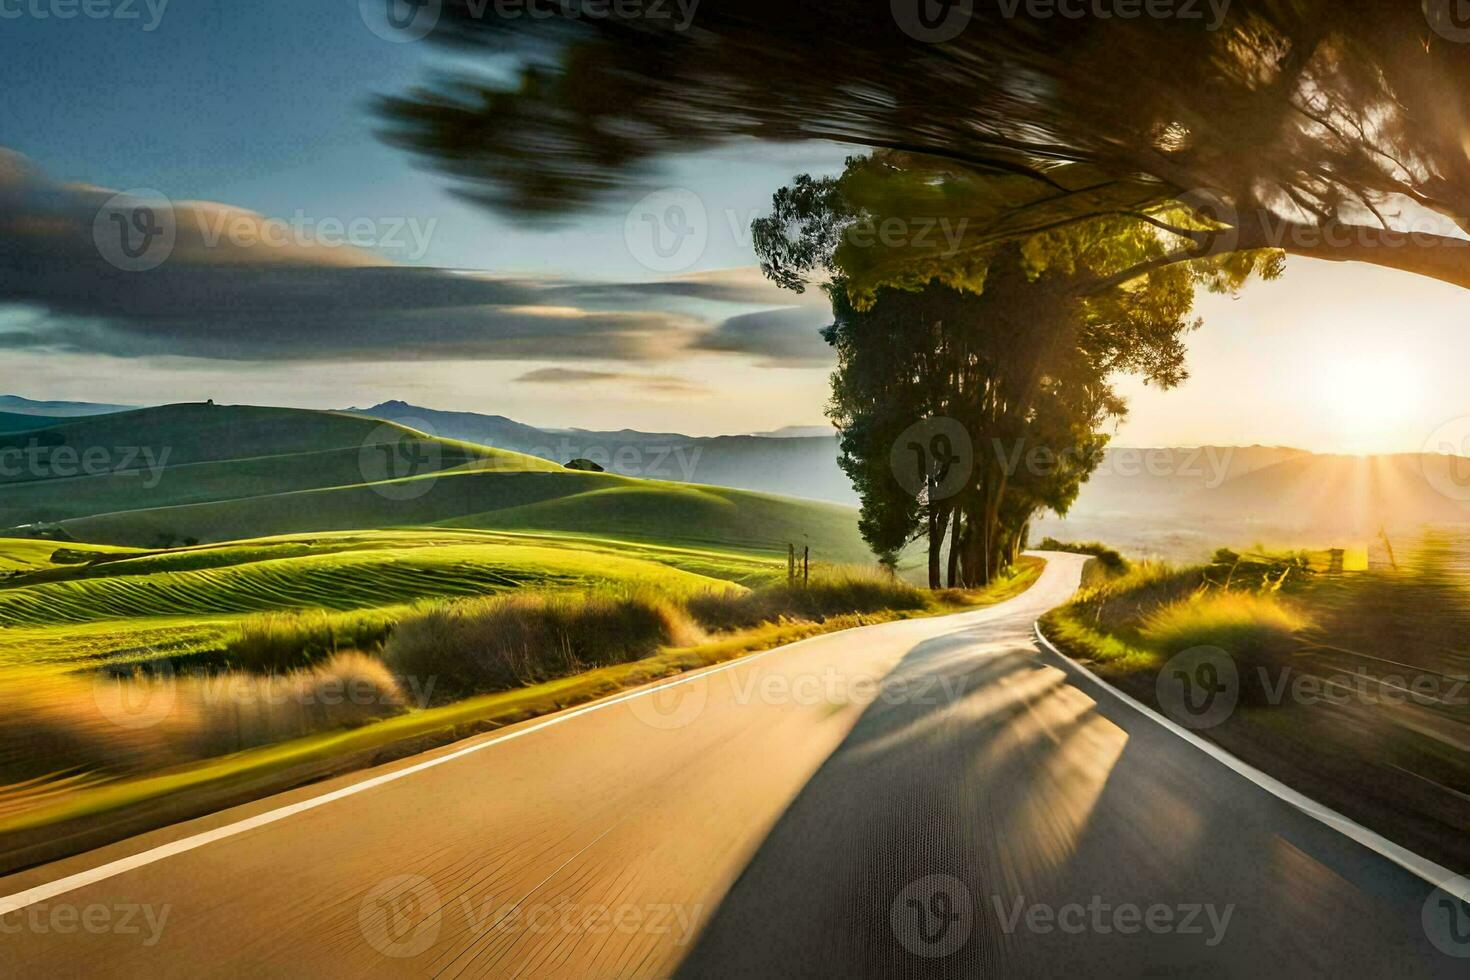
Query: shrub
(833, 590)
(1110, 559)
(501, 642)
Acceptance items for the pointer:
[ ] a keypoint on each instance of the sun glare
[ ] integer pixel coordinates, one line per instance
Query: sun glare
(1368, 399)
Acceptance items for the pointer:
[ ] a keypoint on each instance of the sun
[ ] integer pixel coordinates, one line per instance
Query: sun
(1368, 398)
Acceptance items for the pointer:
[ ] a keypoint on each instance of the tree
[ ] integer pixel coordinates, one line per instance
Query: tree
(1023, 368)
(1326, 128)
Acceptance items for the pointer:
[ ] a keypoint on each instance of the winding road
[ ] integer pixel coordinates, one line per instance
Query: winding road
(936, 797)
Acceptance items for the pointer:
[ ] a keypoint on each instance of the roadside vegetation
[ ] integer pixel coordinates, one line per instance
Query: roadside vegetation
(178, 678)
(1351, 686)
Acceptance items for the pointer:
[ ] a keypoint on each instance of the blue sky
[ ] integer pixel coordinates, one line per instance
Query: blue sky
(265, 106)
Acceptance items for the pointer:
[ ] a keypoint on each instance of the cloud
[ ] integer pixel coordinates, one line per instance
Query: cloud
(652, 382)
(146, 277)
(789, 337)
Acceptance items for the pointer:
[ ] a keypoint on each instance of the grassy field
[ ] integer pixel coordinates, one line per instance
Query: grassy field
(130, 609)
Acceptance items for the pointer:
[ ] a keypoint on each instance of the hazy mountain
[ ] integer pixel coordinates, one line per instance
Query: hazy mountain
(17, 405)
(794, 465)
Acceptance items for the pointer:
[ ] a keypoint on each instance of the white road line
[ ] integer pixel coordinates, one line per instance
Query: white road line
(50, 890)
(1422, 867)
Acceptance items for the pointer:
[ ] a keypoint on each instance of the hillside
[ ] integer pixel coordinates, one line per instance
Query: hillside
(792, 463)
(205, 473)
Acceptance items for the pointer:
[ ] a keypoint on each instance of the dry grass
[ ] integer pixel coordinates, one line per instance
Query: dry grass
(494, 644)
(114, 725)
(1239, 622)
(833, 590)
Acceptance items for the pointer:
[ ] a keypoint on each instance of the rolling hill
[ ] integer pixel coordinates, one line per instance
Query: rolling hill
(204, 473)
(793, 463)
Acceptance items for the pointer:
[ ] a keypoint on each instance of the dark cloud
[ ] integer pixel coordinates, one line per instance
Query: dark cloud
(788, 337)
(235, 286)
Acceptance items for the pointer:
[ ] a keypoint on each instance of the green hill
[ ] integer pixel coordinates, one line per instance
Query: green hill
(13, 422)
(184, 473)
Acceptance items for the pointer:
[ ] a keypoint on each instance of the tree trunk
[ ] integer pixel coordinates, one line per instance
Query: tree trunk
(954, 551)
(938, 521)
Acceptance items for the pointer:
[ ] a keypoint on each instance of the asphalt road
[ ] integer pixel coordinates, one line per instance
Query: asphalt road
(927, 798)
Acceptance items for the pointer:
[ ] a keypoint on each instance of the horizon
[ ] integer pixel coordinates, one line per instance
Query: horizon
(614, 427)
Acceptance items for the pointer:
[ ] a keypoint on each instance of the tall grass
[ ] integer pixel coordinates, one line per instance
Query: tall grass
(833, 590)
(1139, 619)
(497, 643)
(278, 641)
(116, 725)
(1238, 622)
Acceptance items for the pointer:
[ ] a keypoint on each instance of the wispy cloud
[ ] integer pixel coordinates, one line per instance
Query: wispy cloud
(665, 383)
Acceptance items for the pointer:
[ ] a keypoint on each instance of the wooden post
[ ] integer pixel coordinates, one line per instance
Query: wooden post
(791, 563)
(806, 564)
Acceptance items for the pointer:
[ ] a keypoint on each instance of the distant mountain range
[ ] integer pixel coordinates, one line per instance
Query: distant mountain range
(787, 462)
(16, 405)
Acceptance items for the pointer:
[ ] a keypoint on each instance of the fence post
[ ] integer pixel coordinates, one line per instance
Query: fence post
(806, 564)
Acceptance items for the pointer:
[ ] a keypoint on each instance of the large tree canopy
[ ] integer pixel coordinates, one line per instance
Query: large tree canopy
(1011, 352)
(1334, 129)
